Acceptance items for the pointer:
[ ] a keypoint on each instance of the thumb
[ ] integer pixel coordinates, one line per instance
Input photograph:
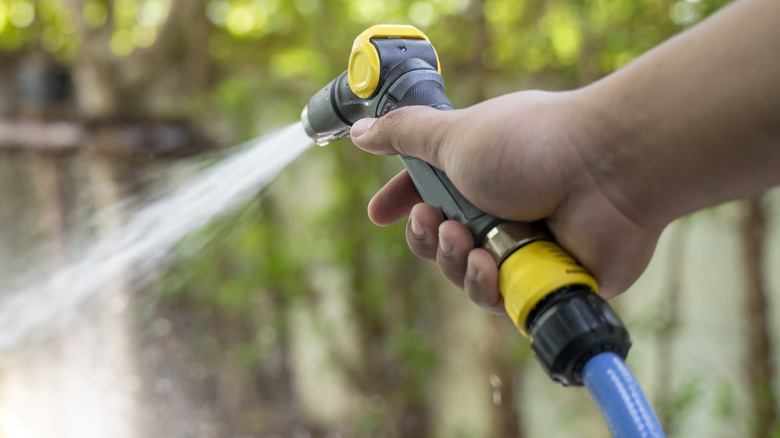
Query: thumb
(419, 131)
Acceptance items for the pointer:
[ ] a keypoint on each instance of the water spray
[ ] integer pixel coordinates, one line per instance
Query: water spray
(575, 334)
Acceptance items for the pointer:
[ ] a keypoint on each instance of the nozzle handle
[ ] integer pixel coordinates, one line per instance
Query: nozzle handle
(436, 189)
(426, 87)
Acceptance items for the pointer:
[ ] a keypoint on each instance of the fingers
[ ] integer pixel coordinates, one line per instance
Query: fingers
(394, 201)
(481, 282)
(418, 131)
(455, 242)
(422, 233)
(471, 269)
(450, 244)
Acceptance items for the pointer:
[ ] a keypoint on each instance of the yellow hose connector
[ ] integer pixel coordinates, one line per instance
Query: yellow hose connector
(534, 271)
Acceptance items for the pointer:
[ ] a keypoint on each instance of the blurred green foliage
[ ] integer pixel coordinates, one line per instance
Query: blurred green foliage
(685, 397)
(239, 278)
(725, 409)
(268, 56)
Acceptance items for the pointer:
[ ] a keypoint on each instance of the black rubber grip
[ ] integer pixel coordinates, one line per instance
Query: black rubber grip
(569, 327)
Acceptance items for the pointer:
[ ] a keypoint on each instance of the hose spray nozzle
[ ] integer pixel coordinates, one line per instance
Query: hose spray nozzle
(386, 62)
(550, 298)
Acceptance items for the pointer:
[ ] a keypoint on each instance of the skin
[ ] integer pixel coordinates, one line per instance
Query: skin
(692, 123)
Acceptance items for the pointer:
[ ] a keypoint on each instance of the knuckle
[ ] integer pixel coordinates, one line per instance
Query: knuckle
(475, 292)
(418, 131)
(395, 125)
(472, 291)
(452, 267)
(423, 247)
(486, 299)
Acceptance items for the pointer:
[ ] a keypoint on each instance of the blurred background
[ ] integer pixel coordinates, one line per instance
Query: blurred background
(292, 315)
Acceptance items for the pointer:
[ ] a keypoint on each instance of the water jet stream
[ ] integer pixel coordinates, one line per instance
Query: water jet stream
(146, 238)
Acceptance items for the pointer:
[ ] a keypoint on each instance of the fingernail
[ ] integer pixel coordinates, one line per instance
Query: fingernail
(361, 126)
(417, 229)
(471, 270)
(444, 245)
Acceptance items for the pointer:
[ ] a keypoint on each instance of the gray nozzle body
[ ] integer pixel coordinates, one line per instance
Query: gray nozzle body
(332, 111)
(406, 80)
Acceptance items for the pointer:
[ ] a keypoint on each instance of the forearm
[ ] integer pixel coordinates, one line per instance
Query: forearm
(696, 121)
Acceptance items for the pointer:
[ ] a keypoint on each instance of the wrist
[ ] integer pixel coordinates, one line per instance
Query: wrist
(675, 143)
(615, 157)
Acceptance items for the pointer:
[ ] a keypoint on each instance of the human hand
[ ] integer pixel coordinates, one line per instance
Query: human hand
(525, 156)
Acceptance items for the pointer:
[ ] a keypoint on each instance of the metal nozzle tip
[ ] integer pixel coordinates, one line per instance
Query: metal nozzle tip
(322, 138)
(306, 124)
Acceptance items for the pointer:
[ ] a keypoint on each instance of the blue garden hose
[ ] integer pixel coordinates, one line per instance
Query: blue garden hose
(617, 394)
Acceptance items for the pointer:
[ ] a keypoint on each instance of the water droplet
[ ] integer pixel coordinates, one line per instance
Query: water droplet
(497, 397)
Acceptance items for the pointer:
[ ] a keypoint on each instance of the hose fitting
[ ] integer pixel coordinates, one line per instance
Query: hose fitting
(569, 327)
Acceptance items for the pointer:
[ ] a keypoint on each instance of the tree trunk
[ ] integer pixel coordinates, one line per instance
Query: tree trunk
(669, 319)
(759, 364)
(505, 375)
